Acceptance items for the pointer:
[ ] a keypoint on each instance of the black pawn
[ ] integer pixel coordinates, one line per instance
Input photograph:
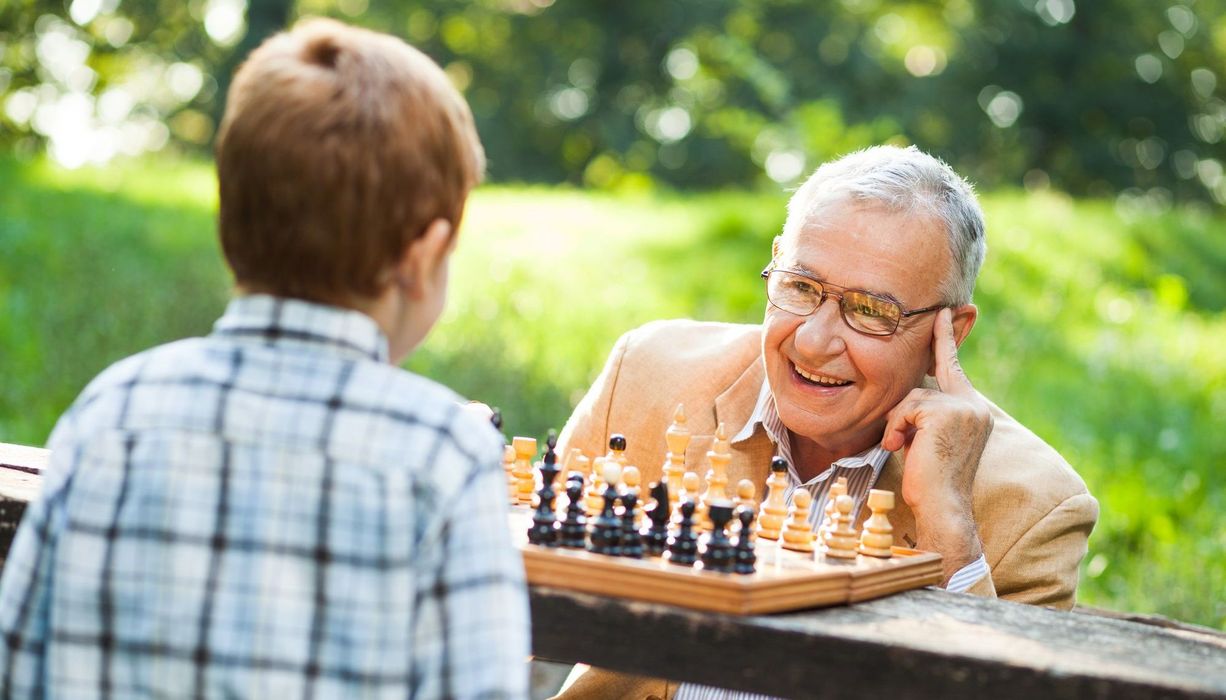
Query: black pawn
(617, 442)
(607, 527)
(632, 542)
(718, 554)
(683, 547)
(744, 558)
(655, 538)
(574, 527)
(544, 529)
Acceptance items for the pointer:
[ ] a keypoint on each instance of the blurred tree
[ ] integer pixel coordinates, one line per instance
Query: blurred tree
(1118, 96)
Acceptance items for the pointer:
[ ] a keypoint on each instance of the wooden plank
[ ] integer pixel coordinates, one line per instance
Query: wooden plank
(919, 644)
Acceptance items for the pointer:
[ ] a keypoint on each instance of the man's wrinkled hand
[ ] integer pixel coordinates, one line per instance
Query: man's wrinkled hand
(944, 432)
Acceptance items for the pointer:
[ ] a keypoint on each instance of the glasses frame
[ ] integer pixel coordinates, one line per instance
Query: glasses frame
(824, 287)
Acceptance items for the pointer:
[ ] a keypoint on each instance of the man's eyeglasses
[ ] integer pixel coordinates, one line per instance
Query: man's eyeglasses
(798, 293)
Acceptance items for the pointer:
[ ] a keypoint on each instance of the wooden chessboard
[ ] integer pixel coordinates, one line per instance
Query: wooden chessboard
(784, 579)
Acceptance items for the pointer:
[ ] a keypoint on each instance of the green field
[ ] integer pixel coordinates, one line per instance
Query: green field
(1103, 326)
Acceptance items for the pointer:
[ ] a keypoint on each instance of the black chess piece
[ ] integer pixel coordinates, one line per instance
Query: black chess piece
(683, 547)
(544, 528)
(606, 528)
(496, 419)
(631, 541)
(717, 556)
(655, 538)
(573, 532)
(617, 442)
(743, 558)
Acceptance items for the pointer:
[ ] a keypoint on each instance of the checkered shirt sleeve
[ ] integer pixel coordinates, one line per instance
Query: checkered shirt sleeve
(271, 511)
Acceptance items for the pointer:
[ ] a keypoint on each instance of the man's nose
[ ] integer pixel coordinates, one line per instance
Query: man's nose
(821, 333)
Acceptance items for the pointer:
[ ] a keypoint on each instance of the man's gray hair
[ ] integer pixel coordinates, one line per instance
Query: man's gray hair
(903, 180)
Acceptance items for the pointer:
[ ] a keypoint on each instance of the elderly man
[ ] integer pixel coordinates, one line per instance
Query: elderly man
(854, 373)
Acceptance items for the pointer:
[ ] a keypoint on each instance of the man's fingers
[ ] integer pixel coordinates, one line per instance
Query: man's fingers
(902, 420)
(949, 374)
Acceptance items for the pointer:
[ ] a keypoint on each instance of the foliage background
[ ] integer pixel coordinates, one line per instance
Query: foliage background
(644, 151)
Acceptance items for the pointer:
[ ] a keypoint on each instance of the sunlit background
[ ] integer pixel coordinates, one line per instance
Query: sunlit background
(641, 153)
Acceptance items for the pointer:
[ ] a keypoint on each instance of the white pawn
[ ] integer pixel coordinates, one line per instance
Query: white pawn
(838, 488)
(525, 449)
(878, 535)
(774, 509)
(797, 533)
(841, 542)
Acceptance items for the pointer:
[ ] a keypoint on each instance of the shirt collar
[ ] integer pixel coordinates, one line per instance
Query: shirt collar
(766, 415)
(279, 320)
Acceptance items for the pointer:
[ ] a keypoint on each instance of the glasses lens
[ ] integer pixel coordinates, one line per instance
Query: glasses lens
(793, 293)
(870, 314)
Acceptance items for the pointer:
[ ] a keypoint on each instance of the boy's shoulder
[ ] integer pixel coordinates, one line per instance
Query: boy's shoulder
(419, 401)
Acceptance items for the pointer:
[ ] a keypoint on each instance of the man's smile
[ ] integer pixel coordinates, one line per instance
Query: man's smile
(819, 379)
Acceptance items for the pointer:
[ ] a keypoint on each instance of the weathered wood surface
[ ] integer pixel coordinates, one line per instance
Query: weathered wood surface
(918, 644)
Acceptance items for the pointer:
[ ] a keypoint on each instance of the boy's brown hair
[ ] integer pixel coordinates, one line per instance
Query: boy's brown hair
(338, 147)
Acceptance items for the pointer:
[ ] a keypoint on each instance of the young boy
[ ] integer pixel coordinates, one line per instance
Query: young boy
(276, 510)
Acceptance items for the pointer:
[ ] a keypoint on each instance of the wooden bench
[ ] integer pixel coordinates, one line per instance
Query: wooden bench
(922, 643)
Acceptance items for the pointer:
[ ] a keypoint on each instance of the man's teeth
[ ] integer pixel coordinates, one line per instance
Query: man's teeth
(819, 379)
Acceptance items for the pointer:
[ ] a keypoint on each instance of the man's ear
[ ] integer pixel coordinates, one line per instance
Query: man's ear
(963, 321)
(419, 264)
(775, 247)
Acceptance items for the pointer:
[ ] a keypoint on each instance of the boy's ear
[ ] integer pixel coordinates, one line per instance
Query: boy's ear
(418, 266)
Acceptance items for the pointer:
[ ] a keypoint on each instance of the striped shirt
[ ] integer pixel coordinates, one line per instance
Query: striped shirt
(270, 511)
(861, 471)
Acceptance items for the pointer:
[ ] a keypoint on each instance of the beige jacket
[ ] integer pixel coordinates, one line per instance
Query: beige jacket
(1033, 511)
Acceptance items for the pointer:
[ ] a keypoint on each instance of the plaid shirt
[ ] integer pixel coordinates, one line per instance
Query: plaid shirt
(272, 511)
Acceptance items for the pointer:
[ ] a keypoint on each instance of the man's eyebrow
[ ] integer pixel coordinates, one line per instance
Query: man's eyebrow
(884, 295)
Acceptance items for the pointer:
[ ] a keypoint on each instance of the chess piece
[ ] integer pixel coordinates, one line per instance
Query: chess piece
(606, 528)
(774, 506)
(718, 457)
(578, 464)
(838, 488)
(797, 532)
(544, 529)
(841, 542)
(717, 556)
(594, 499)
(878, 535)
(573, 532)
(678, 439)
(617, 449)
(496, 419)
(743, 557)
(745, 493)
(525, 449)
(683, 546)
(744, 499)
(631, 542)
(690, 487)
(656, 538)
(631, 478)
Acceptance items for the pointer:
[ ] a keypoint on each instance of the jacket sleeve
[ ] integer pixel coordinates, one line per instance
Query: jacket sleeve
(1041, 567)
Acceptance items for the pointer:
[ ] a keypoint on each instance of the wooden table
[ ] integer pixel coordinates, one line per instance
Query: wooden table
(919, 644)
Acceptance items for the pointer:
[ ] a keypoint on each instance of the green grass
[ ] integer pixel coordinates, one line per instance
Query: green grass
(1104, 334)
